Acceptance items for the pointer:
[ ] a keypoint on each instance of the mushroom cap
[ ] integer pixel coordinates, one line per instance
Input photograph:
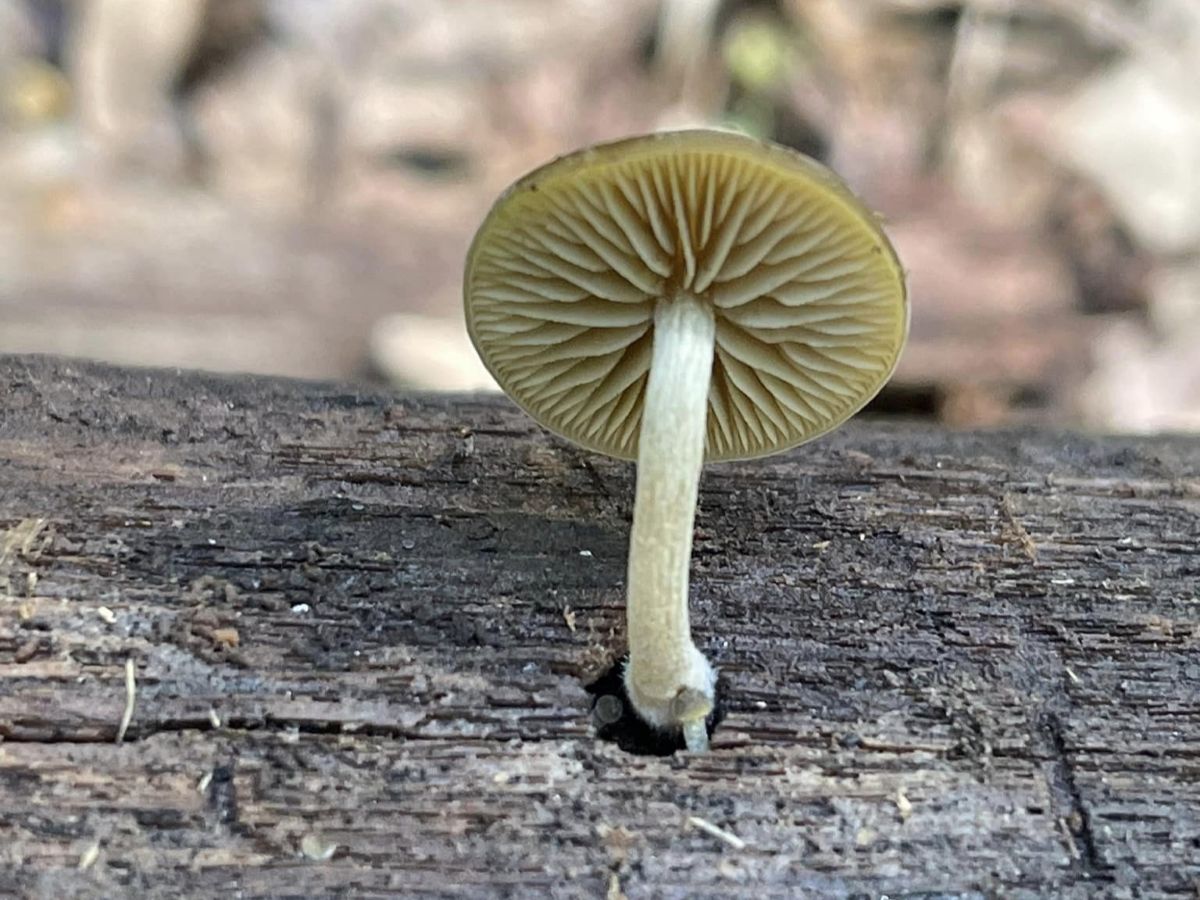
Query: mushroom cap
(564, 275)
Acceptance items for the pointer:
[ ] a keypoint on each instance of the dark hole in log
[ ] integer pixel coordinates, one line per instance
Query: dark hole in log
(614, 719)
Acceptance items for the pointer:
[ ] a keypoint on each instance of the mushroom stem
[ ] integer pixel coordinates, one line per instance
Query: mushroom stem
(669, 682)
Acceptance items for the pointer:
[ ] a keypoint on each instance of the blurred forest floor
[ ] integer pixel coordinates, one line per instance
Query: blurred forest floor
(290, 186)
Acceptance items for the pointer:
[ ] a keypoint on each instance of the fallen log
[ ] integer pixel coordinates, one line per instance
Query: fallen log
(301, 639)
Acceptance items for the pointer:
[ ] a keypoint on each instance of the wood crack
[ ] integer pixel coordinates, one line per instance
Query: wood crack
(1063, 784)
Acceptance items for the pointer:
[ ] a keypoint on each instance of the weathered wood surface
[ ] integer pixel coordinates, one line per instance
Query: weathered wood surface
(957, 664)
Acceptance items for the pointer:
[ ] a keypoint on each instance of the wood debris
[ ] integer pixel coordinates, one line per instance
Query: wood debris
(617, 839)
(28, 650)
(1014, 532)
(88, 857)
(720, 833)
(130, 698)
(18, 541)
(903, 804)
(316, 848)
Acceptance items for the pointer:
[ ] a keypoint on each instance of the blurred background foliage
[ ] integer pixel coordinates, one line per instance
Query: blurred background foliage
(289, 186)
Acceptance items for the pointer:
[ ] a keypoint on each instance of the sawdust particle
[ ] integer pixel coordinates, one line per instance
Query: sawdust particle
(317, 848)
(88, 857)
(903, 804)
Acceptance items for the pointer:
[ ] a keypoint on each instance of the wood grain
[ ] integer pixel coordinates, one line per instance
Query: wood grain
(956, 664)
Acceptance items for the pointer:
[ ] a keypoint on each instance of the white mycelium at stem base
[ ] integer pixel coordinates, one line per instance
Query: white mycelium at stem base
(669, 681)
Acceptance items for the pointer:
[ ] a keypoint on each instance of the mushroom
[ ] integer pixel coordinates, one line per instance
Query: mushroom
(679, 298)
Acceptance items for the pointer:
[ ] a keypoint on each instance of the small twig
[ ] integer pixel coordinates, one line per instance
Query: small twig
(130, 698)
(720, 833)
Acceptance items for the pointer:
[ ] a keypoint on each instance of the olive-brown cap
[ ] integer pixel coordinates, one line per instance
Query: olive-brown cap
(564, 274)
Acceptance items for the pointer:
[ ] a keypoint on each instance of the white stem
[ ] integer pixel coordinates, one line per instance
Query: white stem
(668, 680)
